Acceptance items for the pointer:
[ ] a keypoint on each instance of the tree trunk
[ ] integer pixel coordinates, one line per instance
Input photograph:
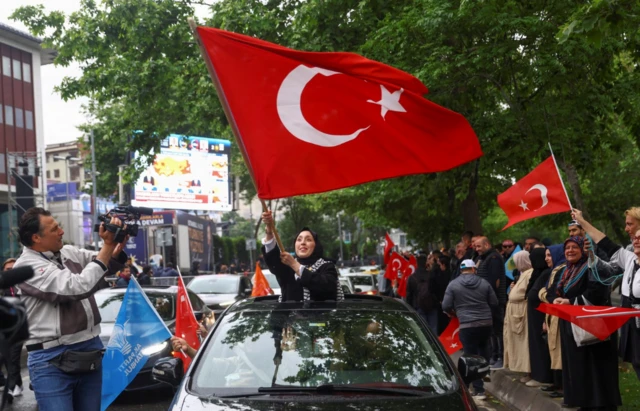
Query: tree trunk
(470, 207)
(574, 183)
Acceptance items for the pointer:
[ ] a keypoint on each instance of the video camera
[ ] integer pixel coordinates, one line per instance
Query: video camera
(14, 328)
(130, 217)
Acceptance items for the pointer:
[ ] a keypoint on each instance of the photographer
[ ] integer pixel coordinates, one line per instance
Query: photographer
(65, 351)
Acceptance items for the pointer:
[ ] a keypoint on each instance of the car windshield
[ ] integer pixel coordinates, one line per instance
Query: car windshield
(109, 305)
(214, 285)
(362, 280)
(311, 348)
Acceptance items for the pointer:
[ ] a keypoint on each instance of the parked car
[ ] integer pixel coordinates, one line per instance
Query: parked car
(364, 353)
(109, 301)
(219, 291)
(369, 269)
(345, 283)
(272, 280)
(363, 283)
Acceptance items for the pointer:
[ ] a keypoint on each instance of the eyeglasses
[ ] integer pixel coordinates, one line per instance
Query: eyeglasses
(635, 239)
(507, 245)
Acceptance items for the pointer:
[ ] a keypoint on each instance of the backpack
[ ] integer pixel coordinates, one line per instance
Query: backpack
(426, 301)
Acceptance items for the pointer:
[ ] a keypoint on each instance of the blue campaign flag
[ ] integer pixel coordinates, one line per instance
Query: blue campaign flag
(510, 265)
(138, 327)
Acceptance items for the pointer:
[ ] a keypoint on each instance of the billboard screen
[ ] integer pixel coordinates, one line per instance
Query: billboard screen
(189, 173)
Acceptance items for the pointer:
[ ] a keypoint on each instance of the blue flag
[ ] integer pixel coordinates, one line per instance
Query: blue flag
(138, 326)
(510, 265)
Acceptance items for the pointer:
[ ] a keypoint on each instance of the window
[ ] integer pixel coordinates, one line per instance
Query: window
(17, 72)
(48, 174)
(8, 115)
(19, 118)
(6, 66)
(2, 164)
(1, 115)
(26, 72)
(56, 173)
(28, 115)
(74, 173)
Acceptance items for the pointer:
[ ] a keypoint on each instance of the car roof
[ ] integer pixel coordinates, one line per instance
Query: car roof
(148, 289)
(218, 276)
(351, 302)
(363, 274)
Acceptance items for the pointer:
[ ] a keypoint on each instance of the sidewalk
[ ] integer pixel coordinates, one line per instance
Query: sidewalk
(506, 386)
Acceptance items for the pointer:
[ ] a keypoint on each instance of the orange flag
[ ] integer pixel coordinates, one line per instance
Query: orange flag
(260, 284)
(186, 323)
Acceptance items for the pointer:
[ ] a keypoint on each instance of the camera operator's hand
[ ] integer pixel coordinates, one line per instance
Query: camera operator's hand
(107, 236)
(119, 247)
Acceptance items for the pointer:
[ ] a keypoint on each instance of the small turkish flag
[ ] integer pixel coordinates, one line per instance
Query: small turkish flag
(407, 271)
(395, 266)
(311, 122)
(450, 337)
(186, 323)
(260, 284)
(541, 192)
(601, 321)
(388, 246)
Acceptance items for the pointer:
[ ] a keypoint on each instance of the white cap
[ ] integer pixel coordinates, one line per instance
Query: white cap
(467, 264)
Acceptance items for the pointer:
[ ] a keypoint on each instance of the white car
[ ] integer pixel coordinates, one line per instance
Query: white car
(272, 280)
(363, 283)
(345, 283)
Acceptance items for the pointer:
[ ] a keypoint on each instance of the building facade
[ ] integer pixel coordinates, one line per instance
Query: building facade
(21, 127)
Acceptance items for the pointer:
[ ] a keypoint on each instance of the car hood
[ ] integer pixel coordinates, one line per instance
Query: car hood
(214, 299)
(346, 401)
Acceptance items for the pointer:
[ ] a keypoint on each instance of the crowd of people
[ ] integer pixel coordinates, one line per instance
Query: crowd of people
(499, 316)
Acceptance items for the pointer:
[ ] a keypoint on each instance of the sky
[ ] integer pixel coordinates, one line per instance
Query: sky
(60, 117)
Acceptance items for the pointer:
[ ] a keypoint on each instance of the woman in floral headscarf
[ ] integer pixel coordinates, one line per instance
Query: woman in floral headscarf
(590, 372)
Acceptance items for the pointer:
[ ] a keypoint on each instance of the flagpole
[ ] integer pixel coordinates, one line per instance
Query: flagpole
(230, 118)
(560, 175)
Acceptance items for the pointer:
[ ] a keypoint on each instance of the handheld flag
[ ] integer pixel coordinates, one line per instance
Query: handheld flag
(360, 120)
(541, 192)
(388, 246)
(395, 266)
(450, 337)
(186, 323)
(407, 271)
(510, 265)
(137, 334)
(597, 320)
(260, 284)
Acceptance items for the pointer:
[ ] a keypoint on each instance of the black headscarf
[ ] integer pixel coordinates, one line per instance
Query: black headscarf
(317, 253)
(539, 265)
(574, 271)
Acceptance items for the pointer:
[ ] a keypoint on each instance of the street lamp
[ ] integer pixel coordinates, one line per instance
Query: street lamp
(67, 159)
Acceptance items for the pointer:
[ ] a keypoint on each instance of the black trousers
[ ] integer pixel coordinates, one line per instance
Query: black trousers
(13, 366)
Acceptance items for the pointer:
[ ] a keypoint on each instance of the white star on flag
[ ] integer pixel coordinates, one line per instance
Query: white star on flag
(523, 205)
(454, 345)
(389, 101)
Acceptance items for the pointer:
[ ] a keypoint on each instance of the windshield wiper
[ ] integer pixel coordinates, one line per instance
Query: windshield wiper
(333, 388)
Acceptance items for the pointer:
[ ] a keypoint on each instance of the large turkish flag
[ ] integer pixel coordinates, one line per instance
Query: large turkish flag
(541, 192)
(312, 122)
(186, 322)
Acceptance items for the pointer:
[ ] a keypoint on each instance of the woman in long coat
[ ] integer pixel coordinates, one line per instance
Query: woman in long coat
(516, 343)
(589, 372)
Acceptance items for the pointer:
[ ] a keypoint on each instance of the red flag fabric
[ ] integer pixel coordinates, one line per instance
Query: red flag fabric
(186, 323)
(450, 337)
(598, 320)
(260, 284)
(388, 246)
(395, 266)
(355, 119)
(541, 192)
(407, 270)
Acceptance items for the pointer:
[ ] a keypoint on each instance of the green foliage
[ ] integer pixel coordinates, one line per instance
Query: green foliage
(240, 249)
(522, 73)
(228, 250)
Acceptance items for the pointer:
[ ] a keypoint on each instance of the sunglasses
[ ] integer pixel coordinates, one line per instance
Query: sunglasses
(507, 245)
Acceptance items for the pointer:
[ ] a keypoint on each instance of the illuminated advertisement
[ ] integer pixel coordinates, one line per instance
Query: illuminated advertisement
(189, 173)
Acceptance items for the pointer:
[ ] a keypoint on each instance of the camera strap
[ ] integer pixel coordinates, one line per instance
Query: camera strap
(57, 260)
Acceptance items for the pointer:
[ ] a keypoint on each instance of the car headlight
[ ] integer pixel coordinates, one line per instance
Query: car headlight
(153, 349)
(226, 303)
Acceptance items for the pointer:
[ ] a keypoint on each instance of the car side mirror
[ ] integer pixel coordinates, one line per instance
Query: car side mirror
(169, 371)
(472, 367)
(247, 291)
(358, 290)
